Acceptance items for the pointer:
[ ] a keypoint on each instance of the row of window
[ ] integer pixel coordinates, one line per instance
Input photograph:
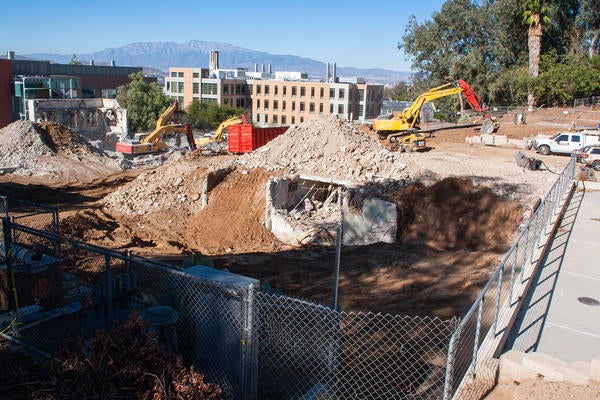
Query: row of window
(301, 106)
(275, 119)
(266, 89)
(207, 88)
(180, 74)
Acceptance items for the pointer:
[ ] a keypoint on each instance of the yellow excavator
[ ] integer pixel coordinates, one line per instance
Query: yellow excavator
(152, 142)
(219, 135)
(404, 128)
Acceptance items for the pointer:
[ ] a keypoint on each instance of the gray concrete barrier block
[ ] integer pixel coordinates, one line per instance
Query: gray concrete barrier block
(595, 369)
(512, 369)
(578, 373)
(552, 369)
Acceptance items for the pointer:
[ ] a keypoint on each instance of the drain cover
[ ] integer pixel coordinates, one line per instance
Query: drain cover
(588, 301)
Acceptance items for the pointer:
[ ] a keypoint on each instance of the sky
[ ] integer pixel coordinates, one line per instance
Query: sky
(351, 33)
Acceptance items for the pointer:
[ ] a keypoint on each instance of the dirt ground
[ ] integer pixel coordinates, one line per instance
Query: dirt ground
(461, 207)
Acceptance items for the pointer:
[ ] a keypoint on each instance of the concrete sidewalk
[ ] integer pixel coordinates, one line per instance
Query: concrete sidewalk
(561, 315)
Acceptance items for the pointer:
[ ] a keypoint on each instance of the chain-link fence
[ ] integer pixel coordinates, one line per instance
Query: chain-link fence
(255, 345)
(472, 358)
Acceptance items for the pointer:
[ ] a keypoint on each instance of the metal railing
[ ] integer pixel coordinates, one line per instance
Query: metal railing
(472, 364)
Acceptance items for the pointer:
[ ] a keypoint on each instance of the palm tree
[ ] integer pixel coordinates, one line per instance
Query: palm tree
(535, 14)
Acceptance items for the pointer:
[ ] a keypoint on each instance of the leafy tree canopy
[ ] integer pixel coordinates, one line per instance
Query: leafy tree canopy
(144, 102)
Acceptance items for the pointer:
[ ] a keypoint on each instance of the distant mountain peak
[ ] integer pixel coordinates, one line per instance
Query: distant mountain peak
(195, 54)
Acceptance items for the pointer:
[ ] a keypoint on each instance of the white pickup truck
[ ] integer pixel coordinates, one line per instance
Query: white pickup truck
(565, 142)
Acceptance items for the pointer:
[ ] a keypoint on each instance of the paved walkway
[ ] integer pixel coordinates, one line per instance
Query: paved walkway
(561, 314)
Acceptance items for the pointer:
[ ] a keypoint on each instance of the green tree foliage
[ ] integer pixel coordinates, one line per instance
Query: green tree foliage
(403, 91)
(144, 102)
(209, 115)
(507, 48)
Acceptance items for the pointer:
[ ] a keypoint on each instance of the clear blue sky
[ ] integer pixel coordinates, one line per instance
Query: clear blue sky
(361, 34)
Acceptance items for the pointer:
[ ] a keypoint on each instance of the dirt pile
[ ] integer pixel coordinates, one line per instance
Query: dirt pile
(233, 219)
(455, 214)
(329, 147)
(51, 149)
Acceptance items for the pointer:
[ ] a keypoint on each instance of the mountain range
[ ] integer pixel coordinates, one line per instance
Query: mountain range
(159, 56)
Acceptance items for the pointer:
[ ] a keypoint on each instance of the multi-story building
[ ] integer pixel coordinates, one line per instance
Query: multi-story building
(22, 80)
(224, 87)
(281, 98)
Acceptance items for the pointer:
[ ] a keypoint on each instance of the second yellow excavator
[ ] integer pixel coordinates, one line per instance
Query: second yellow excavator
(219, 135)
(404, 128)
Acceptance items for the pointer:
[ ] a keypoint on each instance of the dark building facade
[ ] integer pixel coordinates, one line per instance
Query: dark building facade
(22, 80)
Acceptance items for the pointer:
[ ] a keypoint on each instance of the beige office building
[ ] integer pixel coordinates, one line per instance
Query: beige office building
(281, 98)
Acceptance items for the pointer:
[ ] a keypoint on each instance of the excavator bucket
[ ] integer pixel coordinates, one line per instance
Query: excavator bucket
(487, 126)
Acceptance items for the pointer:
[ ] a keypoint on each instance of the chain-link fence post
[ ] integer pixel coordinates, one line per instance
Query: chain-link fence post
(108, 292)
(10, 282)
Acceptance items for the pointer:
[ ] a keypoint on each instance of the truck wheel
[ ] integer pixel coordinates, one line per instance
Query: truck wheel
(596, 165)
(401, 148)
(544, 150)
(409, 148)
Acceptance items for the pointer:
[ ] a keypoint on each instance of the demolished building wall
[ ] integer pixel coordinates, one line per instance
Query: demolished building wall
(94, 119)
(302, 210)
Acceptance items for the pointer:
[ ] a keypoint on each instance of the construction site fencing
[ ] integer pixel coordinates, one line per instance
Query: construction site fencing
(474, 346)
(254, 344)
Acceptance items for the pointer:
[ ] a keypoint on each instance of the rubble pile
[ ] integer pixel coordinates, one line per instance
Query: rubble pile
(175, 185)
(50, 149)
(329, 147)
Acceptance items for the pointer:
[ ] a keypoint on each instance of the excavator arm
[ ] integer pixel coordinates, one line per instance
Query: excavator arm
(408, 120)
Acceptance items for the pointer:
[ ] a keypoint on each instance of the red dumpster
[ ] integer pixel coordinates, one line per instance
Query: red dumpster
(245, 138)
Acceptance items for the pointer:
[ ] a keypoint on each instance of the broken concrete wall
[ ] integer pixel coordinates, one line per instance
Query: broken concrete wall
(94, 119)
(212, 179)
(375, 221)
(498, 140)
(300, 210)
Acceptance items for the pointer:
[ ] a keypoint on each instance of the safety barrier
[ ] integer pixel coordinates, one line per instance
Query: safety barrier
(472, 364)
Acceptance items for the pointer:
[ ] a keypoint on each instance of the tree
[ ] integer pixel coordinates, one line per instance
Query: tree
(202, 115)
(535, 15)
(589, 20)
(144, 102)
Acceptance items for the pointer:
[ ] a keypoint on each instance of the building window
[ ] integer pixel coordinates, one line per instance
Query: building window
(340, 109)
(226, 89)
(257, 103)
(266, 119)
(301, 119)
(312, 92)
(208, 100)
(196, 75)
(257, 89)
(180, 74)
(361, 94)
(179, 87)
(301, 106)
(331, 93)
(283, 120)
(274, 119)
(320, 108)
(173, 74)
(331, 109)
(284, 90)
(341, 93)
(276, 90)
(196, 88)
(293, 106)
(275, 105)
(293, 119)
(250, 90)
(311, 108)
(293, 91)
(209, 88)
(283, 105)
(168, 86)
(321, 93)
(257, 118)
(302, 92)
(266, 104)
(266, 90)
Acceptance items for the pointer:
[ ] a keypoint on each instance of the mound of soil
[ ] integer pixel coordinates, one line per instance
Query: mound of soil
(233, 219)
(330, 147)
(454, 214)
(51, 149)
